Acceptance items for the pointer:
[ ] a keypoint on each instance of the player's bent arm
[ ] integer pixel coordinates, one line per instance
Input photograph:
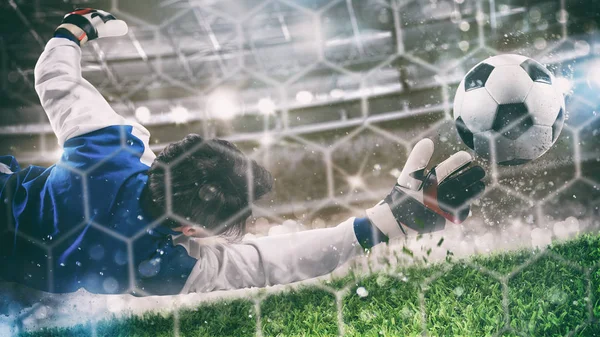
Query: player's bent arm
(271, 260)
(74, 107)
(72, 104)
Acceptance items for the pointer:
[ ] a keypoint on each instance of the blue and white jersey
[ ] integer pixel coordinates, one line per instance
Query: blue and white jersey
(78, 224)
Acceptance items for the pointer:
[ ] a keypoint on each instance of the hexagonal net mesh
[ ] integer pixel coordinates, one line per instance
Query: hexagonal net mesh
(330, 96)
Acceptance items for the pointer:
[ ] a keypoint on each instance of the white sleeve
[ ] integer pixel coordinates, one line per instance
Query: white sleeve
(74, 107)
(271, 260)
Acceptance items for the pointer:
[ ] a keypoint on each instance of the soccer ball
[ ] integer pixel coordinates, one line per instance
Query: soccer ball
(509, 108)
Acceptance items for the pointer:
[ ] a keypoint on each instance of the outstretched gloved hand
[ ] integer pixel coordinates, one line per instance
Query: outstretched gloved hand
(425, 201)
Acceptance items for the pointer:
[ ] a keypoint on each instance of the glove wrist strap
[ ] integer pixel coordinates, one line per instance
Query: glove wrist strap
(77, 33)
(381, 216)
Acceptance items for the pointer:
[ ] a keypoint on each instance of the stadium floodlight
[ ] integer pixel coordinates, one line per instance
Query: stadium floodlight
(564, 84)
(355, 181)
(142, 114)
(180, 114)
(593, 75)
(540, 43)
(304, 97)
(56, 154)
(267, 139)
(266, 106)
(53, 155)
(336, 93)
(223, 104)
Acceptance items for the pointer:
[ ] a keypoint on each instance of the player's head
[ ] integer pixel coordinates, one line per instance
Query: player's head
(210, 181)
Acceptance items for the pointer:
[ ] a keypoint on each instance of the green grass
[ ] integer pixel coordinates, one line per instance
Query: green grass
(228, 318)
(75, 331)
(146, 326)
(547, 298)
(304, 312)
(551, 293)
(596, 292)
(504, 263)
(391, 307)
(464, 302)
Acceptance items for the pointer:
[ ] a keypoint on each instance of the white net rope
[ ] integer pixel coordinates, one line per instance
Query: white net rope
(332, 105)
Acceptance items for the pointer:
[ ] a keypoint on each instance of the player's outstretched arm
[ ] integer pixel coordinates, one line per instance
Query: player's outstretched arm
(74, 107)
(420, 202)
(279, 259)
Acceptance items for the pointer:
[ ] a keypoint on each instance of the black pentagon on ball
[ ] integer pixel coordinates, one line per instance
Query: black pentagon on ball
(465, 134)
(477, 77)
(558, 125)
(512, 120)
(536, 71)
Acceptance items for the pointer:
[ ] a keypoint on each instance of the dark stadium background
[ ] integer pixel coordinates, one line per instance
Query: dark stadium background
(374, 77)
(329, 95)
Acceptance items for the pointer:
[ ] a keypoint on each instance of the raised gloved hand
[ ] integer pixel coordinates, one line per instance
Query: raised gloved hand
(424, 202)
(87, 24)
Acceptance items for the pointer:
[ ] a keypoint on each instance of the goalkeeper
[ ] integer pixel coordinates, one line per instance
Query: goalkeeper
(95, 219)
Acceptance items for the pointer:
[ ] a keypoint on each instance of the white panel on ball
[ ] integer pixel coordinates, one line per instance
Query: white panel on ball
(506, 60)
(543, 103)
(509, 84)
(478, 110)
(459, 99)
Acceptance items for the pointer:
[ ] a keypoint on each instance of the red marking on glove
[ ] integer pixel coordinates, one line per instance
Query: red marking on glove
(83, 11)
(430, 199)
(82, 36)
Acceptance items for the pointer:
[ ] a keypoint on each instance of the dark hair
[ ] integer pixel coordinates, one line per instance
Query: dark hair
(209, 185)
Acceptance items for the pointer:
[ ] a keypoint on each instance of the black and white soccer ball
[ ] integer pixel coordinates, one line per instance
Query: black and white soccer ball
(509, 108)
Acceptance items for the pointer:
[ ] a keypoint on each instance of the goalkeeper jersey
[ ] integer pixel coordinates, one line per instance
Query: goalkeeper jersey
(78, 224)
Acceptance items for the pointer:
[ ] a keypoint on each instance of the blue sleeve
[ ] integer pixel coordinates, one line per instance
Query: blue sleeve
(11, 162)
(166, 269)
(367, 234)
(85, 151)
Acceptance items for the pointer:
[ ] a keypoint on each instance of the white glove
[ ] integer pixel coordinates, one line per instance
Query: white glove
(424, 202)
(89, 24)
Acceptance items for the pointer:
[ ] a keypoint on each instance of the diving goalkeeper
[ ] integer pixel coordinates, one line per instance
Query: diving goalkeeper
(95, 219)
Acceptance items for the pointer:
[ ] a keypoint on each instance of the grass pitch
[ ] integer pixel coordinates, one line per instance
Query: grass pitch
(524, 293)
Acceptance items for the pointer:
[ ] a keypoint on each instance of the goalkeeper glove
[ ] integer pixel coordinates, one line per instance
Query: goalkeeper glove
(87, 24)
(425, 202)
